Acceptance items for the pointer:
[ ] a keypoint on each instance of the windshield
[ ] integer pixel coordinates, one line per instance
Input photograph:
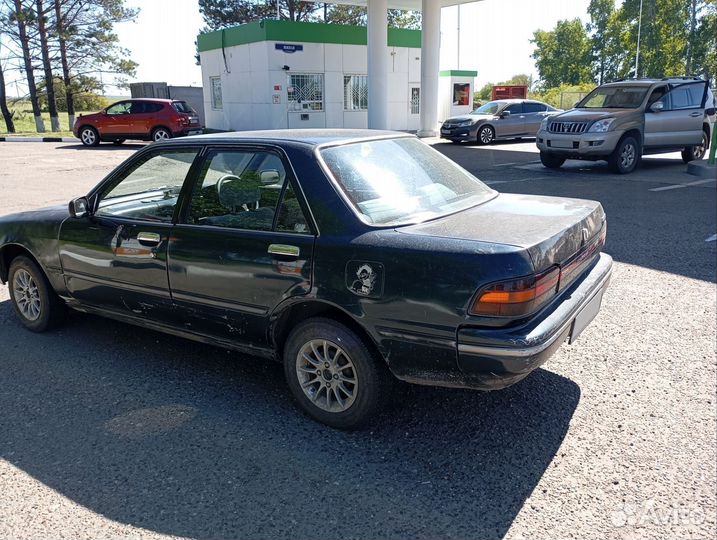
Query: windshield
(182, 107)
(397, 181)
(492, 107)
(614, 97)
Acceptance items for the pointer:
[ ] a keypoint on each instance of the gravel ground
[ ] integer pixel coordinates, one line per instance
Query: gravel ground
(108, 430)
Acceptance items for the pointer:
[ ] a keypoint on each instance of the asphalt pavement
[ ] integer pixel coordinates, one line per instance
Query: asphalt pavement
(109, 430)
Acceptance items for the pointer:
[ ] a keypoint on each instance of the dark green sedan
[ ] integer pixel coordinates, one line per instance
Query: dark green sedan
(353, 257)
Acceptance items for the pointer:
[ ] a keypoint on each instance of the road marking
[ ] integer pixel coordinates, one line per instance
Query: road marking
(712, 238)
(514, 163)
(678, 186)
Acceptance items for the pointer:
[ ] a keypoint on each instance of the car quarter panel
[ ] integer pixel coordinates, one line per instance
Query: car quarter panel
(37, 232)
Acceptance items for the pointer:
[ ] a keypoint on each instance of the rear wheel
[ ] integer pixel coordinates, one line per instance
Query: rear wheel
(625, 157)
(693, 153)
(486, 135)
(551, 161)
(161, 134)
(89, 136)
(36, 305)
(334, 376)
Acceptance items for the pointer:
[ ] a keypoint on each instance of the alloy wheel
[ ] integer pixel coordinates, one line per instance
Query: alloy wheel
(88, 137)
(327, 375)
(698, 152)
(161, 135)
(627, 155)
(27, 295)
(486, 135)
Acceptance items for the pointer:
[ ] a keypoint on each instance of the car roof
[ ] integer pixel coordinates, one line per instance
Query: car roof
(651, 81)
(311, 137)
(155, 100)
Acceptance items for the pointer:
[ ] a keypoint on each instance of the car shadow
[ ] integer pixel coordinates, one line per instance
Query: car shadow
(136, 145)
(184, 439)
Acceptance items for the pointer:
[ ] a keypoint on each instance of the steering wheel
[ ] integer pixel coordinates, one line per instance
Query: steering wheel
(223, 180)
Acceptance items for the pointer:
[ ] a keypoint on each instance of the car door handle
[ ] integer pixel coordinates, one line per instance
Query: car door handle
(695, 114)
(283, 249)
(148, 238)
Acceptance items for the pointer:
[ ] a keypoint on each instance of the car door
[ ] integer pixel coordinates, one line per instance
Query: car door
(117, 120)
(116, 258)
(512, 125)
(534, 113)
(679, 121)
(243, 244)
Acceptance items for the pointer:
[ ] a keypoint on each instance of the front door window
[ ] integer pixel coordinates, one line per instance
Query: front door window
(150, 189)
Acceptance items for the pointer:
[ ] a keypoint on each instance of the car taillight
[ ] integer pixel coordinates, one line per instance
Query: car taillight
(517, 297)
(184, 120)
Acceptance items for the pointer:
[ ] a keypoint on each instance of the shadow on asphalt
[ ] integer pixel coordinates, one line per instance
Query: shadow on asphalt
(184, 439)
(105, 146)
(663, 230)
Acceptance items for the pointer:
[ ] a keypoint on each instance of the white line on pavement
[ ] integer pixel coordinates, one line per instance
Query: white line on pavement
(712, 238)
(678, 186)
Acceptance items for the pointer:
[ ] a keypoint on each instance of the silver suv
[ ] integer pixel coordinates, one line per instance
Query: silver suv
(621, 121)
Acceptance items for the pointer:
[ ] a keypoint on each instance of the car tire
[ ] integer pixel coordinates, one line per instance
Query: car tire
(161, 134)
(486, 135)
(626, 156)
(694, 153)
(335, 377)
(118, 142)
(89, 136)
(551, 161)
(36, 304)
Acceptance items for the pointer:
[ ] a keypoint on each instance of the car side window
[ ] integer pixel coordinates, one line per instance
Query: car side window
(515, 108)
(241, 189)
(533, 108)
(123, 107)
(149, 190)
(153, 107)
(686, 96)
(138, 107)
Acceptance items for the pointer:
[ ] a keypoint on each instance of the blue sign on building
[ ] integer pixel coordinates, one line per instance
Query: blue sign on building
(288, 47)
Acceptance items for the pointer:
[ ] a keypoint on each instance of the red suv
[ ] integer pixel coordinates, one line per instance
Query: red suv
(144, 119)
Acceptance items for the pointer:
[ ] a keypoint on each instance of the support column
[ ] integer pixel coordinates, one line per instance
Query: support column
(430, 57)
(378, 64)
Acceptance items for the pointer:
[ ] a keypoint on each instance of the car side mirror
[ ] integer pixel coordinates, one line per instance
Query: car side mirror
(269, 177)
(657, 106)
(505, 114)
(79, 207)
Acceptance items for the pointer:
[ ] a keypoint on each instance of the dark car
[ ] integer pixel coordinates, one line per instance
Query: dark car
(500, 119)
(142, 119)
(351, 256)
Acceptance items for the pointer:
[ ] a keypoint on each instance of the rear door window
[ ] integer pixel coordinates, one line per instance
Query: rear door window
(533, 107)
(686, 96)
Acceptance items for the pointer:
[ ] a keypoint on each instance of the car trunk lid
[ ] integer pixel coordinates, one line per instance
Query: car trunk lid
(553, 230)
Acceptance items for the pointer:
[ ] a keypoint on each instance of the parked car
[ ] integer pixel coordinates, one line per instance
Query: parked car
(502, 119)
(621, 121)
(143, 119)
(354, 257)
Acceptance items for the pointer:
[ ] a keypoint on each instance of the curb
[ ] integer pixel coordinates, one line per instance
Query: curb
(38, 139)
(701, 169)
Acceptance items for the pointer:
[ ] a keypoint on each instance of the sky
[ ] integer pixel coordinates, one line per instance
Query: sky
(495, 38)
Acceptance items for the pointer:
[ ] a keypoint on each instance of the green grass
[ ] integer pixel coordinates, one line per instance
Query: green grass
(25, 122)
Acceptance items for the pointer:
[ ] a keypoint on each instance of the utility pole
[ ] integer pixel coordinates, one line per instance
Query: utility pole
(278, 11)
(639, 29)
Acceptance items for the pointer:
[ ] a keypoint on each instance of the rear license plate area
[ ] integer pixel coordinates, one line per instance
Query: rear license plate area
(585, 316)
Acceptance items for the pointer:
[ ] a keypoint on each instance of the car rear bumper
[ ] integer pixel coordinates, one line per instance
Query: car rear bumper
(194, 130)
(491, 359)
(578, 146)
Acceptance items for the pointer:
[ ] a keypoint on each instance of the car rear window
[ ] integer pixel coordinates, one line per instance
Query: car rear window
(182, 107)
(400, 181)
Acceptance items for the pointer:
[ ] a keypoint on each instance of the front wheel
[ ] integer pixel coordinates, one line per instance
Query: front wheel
(693, 153)
(551, 161)
(486, 135)
(36, 305)
(334, 376)
(625, 157)
(161, 134)
(89, 136)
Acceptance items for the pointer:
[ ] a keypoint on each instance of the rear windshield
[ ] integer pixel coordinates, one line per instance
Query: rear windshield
(399, 181)
(614, 97)
(183, 107)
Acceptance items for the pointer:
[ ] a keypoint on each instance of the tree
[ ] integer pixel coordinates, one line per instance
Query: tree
(563, 55)
(47, 67)
(6, 114)
(19, 15)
